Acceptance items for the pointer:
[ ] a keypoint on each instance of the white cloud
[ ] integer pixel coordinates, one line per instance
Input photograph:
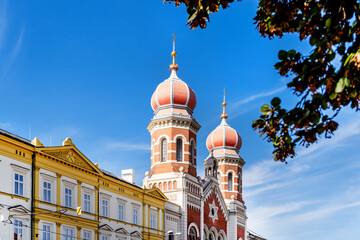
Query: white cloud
(257, 96)
(324, 211)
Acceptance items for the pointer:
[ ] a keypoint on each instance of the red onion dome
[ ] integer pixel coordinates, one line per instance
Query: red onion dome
(173, 91)
(223, 136)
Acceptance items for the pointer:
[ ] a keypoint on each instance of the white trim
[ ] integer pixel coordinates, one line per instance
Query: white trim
(192, 224)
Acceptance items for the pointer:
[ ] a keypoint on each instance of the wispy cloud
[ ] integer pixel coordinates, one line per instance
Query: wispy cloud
(257, 96)
(17, 47)
(324, 211)
(127, 146)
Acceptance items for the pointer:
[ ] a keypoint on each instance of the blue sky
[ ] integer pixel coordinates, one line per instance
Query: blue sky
(87, 69)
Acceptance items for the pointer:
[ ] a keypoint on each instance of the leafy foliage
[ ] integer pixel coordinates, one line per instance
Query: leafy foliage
(325, 80)
(199, 10)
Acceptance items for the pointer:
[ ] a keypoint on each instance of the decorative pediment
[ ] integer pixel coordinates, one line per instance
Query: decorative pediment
(136, 234)
(212, 188)
(19, 209)
(106, 227)
(71, 154)
(156, 193)
(122, 231)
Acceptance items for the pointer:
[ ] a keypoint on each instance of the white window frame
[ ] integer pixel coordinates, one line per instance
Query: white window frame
(86, 235)
(153, 219)
(135, 214)
(68, 237)
(90, 192)
(86, 202)
(23, 172)
(121, 202)
(72, 187)
(105, 208)
(105, 197)
(18, 227)
(46, 231)
(19, 184)
(48, 179)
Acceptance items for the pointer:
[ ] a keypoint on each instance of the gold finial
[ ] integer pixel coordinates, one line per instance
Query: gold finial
(173, 54)
(224, 115)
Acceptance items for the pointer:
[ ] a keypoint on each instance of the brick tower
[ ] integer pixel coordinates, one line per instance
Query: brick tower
(224, 144)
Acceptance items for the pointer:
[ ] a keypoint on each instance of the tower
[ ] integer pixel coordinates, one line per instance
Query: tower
(224, 144)
(173, 129)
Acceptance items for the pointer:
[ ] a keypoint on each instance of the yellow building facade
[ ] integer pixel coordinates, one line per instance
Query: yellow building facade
(57, 193)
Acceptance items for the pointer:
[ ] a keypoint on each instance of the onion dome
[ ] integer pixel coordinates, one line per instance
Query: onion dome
(224, 136)
(173, 91)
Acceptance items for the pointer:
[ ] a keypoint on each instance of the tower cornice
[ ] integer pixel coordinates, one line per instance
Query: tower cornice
(181, 121)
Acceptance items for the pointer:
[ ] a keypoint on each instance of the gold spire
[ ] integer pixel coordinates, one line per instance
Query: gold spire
(173, 54)
(224, 115)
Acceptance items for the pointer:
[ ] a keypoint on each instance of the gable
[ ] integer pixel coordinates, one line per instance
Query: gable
(155, 192)
(72, 155)
(122, 231)
(106, 227)
(213, 189)
(215, 216)
(19, 209)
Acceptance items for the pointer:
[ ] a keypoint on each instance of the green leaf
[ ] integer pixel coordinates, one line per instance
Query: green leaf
(328, 23)
(340, 86)
(275, 101)
(351, 55)
(332, 96)
(282, 54)
(265, 109)
(353, 93)
(347, 82)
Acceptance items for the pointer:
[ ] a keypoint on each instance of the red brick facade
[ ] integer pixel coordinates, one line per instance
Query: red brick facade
(220, 223)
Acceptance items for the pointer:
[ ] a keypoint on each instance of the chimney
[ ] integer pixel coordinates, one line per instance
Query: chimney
(128, 175)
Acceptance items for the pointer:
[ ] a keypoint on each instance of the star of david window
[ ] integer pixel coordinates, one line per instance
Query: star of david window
(213, 211)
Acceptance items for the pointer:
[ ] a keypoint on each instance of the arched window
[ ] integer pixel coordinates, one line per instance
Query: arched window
(192, 153)
(163, 155)
(179, 149)
(211, 236)
(230, 182)
(239, 183)
(219, 177)
(192, 234)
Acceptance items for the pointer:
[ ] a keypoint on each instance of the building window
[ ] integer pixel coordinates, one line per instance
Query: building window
(68, 234)
(68, 197)
(192, 153)
(19, 184)
(86, 202)
(46, 232)
(135, 216)
(104, 208)
(47, 192)
(163, 149)
(18, 231)
(192, 234)
(104, 238)
(153, 220)
(121, 212)
(239, 183)
(230, 182)
(179, 149)
(86, 236)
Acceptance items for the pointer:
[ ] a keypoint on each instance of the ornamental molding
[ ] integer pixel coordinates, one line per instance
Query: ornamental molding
(172, 121)
(213, 211)
(213, 188)
(69, 156)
